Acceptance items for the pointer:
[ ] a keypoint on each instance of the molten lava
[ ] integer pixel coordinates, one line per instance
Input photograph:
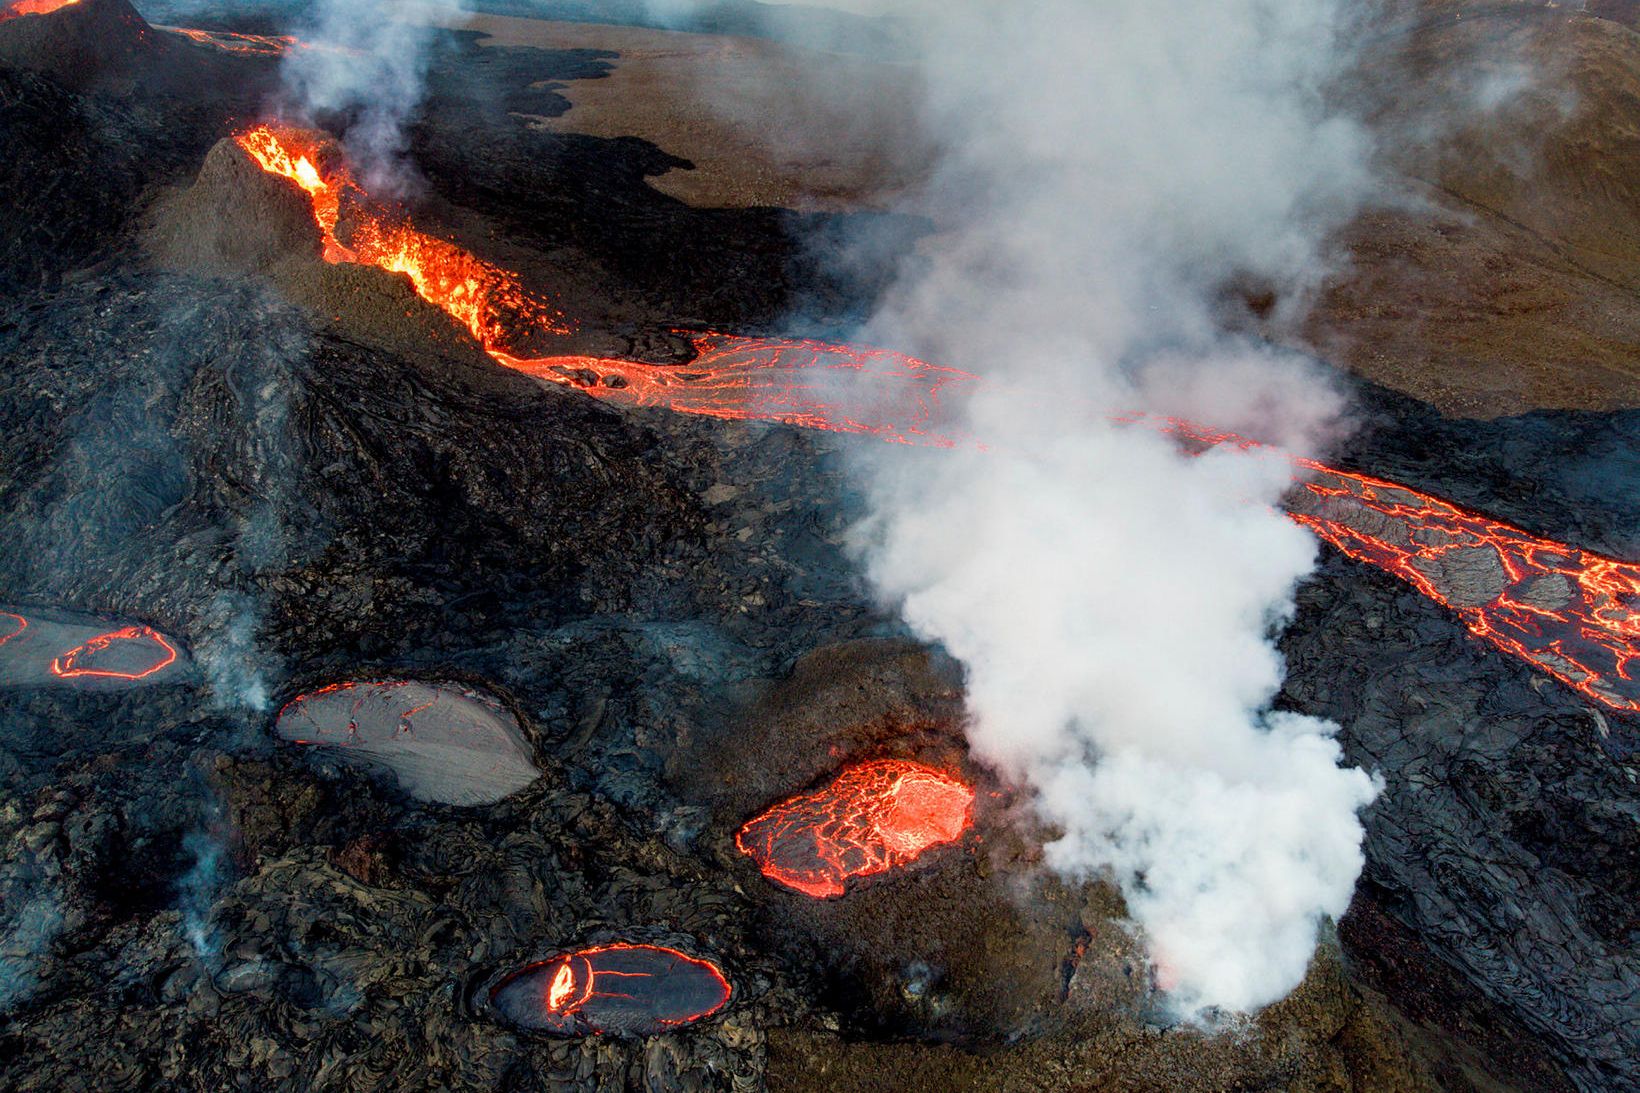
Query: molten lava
(131, 653)
(488, 300)
(11, 625)
(813, 384)
(31, 7)
(871, 818)
(620, 988)
(816, 385)
(247, 45)
(1568, 611)
(1572, 613)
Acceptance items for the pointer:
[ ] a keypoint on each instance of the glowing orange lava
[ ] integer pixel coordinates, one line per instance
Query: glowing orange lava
(249, 45)
(32, 7)
(1570, 612)
(11, 625)
(619, 987)
(488, 300)
(873, 817)
(79, 662)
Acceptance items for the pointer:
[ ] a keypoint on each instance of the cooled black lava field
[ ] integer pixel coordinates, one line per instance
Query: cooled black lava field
(384, 717)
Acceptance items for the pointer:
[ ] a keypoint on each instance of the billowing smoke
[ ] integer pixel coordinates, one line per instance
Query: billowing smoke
(373, 71)
(1117, 177)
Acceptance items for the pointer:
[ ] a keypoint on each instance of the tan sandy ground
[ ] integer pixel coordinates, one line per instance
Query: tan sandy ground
(764, 123)
(1514, 285)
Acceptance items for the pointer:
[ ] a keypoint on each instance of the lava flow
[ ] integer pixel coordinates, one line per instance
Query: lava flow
(92, 659)
(1570, 612)
(488, 300)
(813, 384)
(11, 625)
(247, 45)
(873, 817)
(32, 7)
(621, 988)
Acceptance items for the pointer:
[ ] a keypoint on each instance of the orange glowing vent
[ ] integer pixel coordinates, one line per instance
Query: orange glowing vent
(871, 818)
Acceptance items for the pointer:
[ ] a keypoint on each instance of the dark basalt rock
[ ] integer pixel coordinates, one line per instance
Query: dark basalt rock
(300, 498)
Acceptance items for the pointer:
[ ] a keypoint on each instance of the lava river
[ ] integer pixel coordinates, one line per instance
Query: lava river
(1569, 612)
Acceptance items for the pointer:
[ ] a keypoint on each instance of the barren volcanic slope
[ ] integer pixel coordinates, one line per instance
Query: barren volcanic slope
(435, 680)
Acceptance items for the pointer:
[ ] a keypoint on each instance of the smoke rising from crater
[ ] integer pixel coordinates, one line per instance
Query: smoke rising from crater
(1109, 170)
(375, 74)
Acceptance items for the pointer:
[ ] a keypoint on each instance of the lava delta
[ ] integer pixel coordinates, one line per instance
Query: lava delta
(441, 639)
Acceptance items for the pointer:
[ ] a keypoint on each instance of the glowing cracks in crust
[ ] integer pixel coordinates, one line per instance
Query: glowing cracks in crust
(110, 656)
(618, 988)
(440, 740)
(873, 817)
(1571, 613)
(814, 385)
(245, 45)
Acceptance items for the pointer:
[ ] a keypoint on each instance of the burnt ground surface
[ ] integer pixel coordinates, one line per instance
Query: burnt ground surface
(665, 604)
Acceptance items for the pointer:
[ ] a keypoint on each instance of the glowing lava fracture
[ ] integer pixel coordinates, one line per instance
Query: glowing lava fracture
(1570, 612)
(628, 989)
(91, 660)
(871, 818)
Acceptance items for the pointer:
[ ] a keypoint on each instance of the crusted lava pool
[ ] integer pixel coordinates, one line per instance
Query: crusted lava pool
(873, 817)
(128, 654)
(620, 989)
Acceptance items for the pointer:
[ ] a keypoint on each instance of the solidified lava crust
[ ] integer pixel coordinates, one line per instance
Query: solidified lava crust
(621, 989)
(119, 654)
(872, 818)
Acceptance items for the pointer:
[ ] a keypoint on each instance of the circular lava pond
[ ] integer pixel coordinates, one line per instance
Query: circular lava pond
(620, 989)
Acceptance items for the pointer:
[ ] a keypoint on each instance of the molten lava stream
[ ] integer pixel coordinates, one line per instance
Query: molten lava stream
(798, 382)
(32, 7)
(247, 45)
(623, 988)
(97, 657)
(871, 818)
(1569, 612)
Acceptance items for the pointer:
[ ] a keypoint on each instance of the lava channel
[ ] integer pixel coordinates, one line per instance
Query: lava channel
(130, 653)
(32, 7)
(873, 817)
(1569, 612)
(620, 989)
(245, 45)
(817, 385)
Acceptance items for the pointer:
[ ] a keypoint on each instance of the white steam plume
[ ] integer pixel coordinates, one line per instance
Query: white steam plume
(1110, 167)
(373, 67)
